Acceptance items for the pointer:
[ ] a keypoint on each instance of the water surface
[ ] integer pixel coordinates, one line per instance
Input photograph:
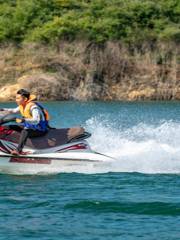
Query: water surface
(137, 197)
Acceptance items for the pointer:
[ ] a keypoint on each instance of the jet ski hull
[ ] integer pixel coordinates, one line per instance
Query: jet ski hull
(60, 150)
(51, 163)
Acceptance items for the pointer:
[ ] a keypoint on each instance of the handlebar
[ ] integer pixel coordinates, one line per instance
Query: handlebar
(6, 119)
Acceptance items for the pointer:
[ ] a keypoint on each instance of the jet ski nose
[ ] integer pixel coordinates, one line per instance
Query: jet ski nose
(75, 131)
(83, 136)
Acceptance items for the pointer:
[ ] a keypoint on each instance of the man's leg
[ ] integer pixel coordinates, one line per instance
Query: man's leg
(22, 140)
(16, 128)
(25, 133)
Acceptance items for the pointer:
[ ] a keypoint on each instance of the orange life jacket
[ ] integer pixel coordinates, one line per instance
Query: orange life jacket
(25, 110)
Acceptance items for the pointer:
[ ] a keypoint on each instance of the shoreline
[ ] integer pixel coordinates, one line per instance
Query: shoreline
(100, 101)
(80, 70)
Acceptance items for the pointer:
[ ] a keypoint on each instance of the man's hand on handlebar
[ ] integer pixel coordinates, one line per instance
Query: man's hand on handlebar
(20, 120)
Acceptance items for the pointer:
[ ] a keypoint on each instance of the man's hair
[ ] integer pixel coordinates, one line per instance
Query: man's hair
(23, 93)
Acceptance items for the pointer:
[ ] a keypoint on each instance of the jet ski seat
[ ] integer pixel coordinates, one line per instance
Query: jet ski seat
(53, 138)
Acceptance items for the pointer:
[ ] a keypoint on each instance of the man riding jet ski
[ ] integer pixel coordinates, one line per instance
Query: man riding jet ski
(31, 146)
(34, 121)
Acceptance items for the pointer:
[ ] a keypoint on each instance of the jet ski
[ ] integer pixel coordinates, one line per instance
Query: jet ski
(58, 150)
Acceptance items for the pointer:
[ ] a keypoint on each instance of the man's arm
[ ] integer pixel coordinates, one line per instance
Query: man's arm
(11, 110)
(36, 115)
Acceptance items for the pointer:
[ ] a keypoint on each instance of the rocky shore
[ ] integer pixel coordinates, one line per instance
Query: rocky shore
(82, 70)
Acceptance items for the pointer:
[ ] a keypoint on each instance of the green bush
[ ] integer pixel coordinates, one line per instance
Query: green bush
(97, 20)
(171, 32)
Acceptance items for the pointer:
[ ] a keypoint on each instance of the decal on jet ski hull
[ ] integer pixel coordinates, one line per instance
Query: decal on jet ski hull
(29, 160)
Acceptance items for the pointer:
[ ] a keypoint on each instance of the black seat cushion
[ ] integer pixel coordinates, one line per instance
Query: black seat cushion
(53, 138)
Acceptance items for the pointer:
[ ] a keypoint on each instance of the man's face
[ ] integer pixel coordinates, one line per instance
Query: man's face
(20, 99)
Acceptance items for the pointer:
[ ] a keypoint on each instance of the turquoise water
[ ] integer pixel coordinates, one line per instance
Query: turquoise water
(137, 197)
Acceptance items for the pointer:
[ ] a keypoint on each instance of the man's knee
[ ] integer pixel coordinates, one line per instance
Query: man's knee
(25, 132)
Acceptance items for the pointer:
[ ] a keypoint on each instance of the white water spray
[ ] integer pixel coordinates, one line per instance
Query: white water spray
(142, 148)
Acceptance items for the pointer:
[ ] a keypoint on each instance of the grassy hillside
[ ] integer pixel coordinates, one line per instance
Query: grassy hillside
(48, 21)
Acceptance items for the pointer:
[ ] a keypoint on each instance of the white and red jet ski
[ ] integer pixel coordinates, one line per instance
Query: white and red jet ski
(57, 150)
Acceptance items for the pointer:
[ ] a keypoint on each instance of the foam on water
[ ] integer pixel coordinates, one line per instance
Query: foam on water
(142, 148)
